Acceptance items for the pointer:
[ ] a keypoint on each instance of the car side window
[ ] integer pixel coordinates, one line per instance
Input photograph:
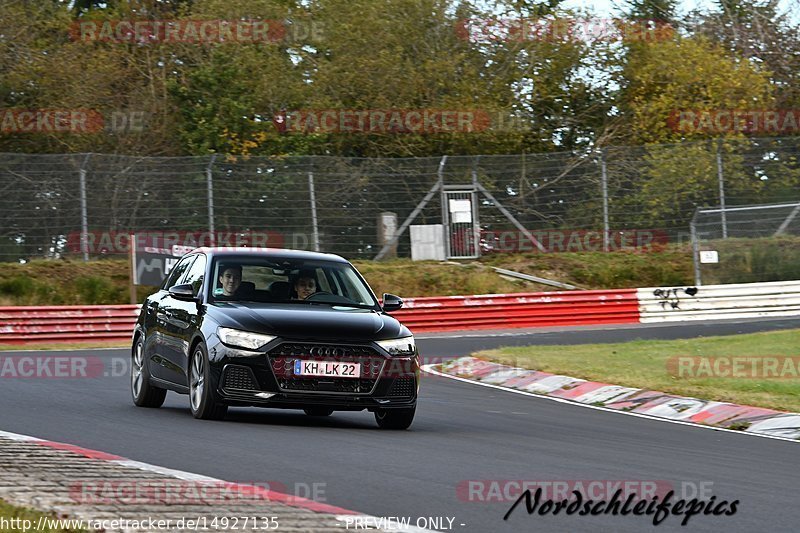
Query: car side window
(196, 274)
(177, 271)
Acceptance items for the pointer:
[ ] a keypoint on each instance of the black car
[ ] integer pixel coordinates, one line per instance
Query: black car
(274, 328)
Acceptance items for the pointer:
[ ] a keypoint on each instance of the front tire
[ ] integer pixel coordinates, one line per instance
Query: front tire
(144, 393)
(202, 401)
(395, 418)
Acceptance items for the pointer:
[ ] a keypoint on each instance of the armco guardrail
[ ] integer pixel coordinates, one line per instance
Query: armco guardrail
(493, 311)
(743, 300)
(20, 325)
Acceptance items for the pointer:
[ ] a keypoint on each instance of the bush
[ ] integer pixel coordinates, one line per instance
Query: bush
(18, 286)
(96, 290)
(754, 260)
(771, 262)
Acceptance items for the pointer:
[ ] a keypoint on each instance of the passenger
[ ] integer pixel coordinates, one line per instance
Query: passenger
(230, 279)
(304, 285)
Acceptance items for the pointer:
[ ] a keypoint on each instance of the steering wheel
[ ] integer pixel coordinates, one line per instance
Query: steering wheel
(319, 293)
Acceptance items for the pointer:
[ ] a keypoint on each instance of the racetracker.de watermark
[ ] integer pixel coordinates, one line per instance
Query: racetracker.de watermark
(179, 31)
(50, 121)
(181, 492)
(566, 240)
(734, 367)
(42, 366)
(745, 121)
(563, 29)
(72, 121)
(178, 242)
(386, 121)
(509, 490)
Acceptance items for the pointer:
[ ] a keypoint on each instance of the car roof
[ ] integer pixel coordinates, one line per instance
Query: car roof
(273, 253)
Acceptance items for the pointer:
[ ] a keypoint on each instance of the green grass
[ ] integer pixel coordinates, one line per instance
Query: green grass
(643, 364)
(66, 282)
(9, 512)
(665, 266)
(753, 260)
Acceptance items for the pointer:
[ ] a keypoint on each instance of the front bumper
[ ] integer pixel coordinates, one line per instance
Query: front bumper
(265, 379)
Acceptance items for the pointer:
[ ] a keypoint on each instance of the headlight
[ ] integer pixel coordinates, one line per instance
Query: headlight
(243, 339)
(402, 346)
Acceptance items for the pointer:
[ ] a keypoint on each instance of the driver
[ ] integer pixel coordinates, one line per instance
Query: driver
(230, 278)
(305, 285)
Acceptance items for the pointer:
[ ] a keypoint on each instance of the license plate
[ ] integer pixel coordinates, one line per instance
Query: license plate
(327, 369)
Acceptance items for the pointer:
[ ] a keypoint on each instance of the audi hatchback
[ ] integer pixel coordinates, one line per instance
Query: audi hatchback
(274, 328)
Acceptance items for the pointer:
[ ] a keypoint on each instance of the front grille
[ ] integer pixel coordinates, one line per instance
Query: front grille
(239, 378)
(282, 360)
(402, 387)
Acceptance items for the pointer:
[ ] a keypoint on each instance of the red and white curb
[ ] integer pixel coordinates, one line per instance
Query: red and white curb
(345, 517)
(721, 416)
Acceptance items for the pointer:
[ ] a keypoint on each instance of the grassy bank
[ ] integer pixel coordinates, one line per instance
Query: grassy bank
(73, 282)
(644, 364)
(62, 282)
(753, 260)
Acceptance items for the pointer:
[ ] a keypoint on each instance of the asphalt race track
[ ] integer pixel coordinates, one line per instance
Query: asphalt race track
(462, 432)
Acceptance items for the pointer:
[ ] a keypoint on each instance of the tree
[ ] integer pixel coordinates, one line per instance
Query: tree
(764, 35)
(46, 67)
(654, 10)
(688, 74)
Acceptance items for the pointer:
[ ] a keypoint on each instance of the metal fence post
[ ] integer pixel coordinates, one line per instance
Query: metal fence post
(721, 179)
(84, 208)
(695, 250)
(314, 227)
(210, 186)
(604, 186)
(476, 223)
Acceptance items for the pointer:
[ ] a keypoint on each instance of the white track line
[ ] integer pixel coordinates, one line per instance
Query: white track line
(429, 369)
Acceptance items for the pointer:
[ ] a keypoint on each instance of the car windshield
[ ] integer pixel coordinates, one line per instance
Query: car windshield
(270, 280)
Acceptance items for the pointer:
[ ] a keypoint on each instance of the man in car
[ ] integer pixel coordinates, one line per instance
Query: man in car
(305, 285)
(230, 278)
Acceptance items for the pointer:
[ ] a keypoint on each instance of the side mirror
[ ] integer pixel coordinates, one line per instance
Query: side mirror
(391, 302)
(184, 291)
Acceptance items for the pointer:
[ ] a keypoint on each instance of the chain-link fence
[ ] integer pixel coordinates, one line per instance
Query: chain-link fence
(747, 243)
(617, 197)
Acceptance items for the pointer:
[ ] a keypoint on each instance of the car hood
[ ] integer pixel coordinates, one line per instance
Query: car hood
(304, 321)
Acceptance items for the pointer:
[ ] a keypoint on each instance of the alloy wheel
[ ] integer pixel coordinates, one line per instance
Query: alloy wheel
(197, 380)
(136, 369)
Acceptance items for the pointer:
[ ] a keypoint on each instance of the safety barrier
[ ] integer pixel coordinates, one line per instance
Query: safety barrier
(62, 324)
(494, 311)
(20, 325)
(711, 302)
